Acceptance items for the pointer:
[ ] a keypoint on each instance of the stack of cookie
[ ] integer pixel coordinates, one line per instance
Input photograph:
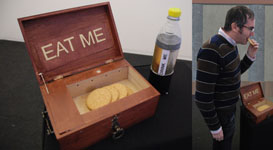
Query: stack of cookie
(107, 94)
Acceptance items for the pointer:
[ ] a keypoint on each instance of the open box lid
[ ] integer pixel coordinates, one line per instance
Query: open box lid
(251, 92)
(66, 42)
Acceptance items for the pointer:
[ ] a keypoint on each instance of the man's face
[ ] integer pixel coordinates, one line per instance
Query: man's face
(246, 32)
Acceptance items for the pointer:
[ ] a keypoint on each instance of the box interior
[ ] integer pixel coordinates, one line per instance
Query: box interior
(125, 75)
(263, 105)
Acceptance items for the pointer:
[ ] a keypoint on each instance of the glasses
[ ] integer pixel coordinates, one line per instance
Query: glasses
(250, 28)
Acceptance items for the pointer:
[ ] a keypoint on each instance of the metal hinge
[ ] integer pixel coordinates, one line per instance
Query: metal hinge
(109, 61)
(58, 77)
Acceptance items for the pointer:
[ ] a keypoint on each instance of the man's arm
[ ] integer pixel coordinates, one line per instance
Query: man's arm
(250, 56)
(207, 73)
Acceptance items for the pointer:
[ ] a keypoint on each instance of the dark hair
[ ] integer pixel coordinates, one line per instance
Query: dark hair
(239, 15)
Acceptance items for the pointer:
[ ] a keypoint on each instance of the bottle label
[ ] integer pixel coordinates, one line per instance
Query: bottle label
(163, 62)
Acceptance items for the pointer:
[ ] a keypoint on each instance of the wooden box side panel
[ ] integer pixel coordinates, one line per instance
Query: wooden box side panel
(127, 73)
(87, 85)
(61, 109)
(137, 79)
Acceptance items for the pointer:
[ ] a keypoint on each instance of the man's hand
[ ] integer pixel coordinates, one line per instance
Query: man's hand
(218, 136)
(252, 49)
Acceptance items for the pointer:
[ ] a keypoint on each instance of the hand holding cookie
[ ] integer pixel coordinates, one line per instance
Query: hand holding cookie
(252, 48)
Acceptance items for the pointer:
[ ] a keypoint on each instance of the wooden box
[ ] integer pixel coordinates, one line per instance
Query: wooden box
(254, 101)
(73, 52)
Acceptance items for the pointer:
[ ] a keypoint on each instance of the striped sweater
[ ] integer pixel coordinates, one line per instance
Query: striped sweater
(218, 78)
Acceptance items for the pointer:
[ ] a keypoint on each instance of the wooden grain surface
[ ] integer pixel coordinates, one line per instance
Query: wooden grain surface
(70, 41)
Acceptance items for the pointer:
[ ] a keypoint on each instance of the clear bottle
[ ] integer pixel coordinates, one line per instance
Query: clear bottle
(166, 50)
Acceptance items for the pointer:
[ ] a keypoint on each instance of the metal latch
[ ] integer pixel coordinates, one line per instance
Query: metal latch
(49, 129)
(118, 132)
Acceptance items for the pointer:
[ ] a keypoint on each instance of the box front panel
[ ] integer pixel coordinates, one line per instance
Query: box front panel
(86, 136)
(94, 133)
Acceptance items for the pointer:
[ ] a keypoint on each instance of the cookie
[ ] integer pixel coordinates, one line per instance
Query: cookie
(121, 89)
(263, 107)
(250, 41)
(114, 93)
(129, 90)
(98, 98)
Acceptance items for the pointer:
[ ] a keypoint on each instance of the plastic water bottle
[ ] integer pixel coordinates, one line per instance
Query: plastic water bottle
(166, 50)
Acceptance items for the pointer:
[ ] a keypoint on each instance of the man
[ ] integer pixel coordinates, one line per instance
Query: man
(219, 70)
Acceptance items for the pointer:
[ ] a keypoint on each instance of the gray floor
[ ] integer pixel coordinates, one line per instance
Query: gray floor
(20, 116)
(201, 138)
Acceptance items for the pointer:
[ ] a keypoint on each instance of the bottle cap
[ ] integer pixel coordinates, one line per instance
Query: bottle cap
(175, 12)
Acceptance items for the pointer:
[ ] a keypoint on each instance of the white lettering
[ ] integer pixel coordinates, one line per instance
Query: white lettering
(256, 91)
(94, 36)
(47, 52)
(247, 95)
(83, 39)
(70, 43)
(97, 35)
(251, 93)
(59, 44)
